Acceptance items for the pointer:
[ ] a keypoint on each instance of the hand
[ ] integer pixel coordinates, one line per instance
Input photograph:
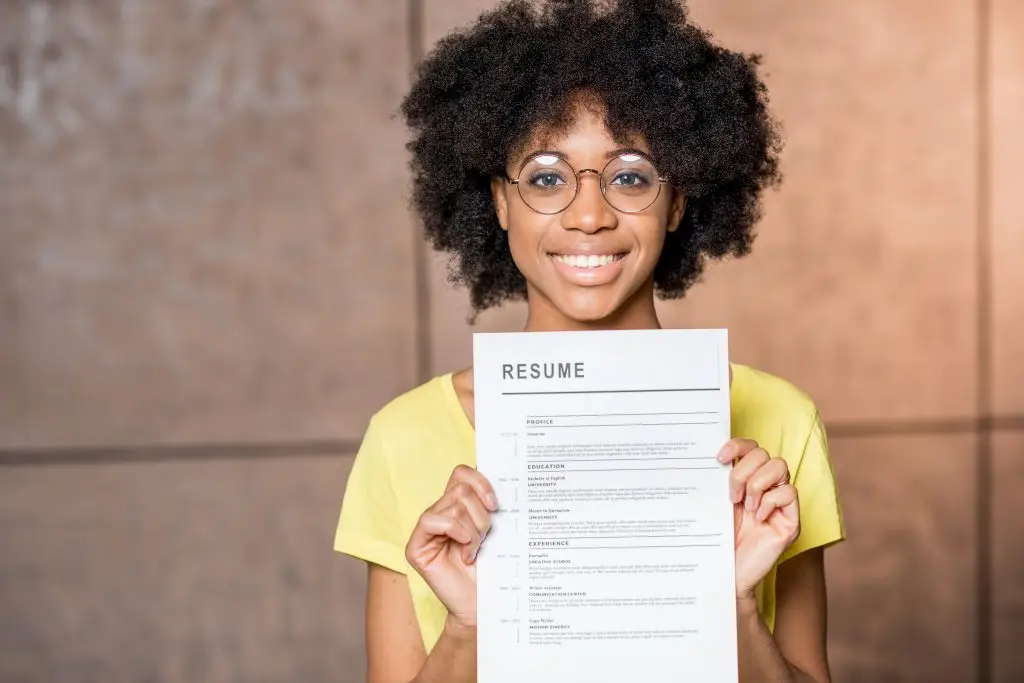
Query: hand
(766, 511)
(444, 544)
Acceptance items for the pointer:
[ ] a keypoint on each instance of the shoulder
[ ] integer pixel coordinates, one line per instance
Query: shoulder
(411, 409)
(784, 420)
(750, 384)
(772, 411)
(423, 432)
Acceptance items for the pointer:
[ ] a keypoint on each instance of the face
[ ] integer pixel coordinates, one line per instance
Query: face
(591, 264)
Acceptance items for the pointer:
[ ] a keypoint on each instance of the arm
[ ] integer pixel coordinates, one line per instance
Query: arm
(395, 652)
(767, 516)
(796, 653)
(442, 549)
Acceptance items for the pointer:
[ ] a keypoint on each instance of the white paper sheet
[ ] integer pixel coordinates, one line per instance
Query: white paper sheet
(611, 557)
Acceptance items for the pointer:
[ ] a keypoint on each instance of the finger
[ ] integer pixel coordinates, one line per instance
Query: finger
(773, 472)
(463, 474)
(469, 550)
(470, 512)
(779, 498)
(432, 526)
(735, 449)
(463, 503)
(468, 497)
(457, 511)
(743, 470)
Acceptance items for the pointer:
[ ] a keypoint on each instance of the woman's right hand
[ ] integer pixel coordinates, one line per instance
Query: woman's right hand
(445, 542)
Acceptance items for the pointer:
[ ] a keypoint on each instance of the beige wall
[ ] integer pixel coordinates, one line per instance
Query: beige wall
(208, 283)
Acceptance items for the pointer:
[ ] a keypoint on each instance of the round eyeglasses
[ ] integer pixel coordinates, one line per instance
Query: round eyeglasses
(548, 184)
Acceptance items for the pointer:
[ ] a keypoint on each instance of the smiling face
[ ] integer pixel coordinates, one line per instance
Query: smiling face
(591, 264)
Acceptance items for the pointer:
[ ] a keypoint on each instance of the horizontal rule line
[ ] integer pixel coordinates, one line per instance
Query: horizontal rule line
(696, 412)
(598, 538)
(605, 391)
(625, 424)
(621, 469)
(640, 459)
(625, 547)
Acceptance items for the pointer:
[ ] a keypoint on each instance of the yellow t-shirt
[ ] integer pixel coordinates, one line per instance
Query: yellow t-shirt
(412, 445)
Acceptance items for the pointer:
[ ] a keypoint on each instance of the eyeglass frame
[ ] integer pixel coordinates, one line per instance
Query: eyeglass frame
(662, 180)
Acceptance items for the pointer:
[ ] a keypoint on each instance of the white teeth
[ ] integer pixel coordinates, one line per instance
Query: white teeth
(582, 261)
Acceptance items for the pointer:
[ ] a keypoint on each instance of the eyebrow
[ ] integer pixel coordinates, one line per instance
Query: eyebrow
(626, 150)
(564, 157)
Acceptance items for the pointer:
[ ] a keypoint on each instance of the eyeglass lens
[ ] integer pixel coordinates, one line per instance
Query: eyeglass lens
(629, 182)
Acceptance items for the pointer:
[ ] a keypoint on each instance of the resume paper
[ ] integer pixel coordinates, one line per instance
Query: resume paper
(611, 557)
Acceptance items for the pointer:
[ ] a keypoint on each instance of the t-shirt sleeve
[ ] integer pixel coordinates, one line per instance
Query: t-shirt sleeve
(821, 515)
(368, 527)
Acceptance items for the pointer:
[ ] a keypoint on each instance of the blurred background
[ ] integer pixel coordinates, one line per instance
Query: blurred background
(209, 279)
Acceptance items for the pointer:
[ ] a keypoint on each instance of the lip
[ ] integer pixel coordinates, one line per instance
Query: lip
(588, 277)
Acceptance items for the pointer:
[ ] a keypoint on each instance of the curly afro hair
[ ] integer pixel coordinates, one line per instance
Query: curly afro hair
(521, 67)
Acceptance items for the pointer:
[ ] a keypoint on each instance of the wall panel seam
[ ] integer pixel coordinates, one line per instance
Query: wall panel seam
(984, 335)
(422, 316)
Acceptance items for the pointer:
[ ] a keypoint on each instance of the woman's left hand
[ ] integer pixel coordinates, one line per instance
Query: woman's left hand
(765, 509)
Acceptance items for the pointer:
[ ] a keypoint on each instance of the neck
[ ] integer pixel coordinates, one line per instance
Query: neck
(636, 313)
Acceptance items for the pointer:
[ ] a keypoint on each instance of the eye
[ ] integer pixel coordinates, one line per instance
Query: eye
(630, 179)
(546, 179)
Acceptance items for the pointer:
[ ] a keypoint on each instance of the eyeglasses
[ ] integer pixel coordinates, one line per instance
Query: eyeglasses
(548, 184)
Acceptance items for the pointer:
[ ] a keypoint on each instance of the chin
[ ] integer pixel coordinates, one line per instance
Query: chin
(589, 309)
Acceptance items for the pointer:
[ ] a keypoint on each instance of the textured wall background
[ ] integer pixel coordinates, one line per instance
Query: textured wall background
(209, 280)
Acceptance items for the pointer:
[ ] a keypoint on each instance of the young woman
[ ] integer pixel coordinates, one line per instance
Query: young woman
(585, 156)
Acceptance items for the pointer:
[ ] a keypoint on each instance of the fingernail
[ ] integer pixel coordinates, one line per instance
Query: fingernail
(722, 455)
(492, 501)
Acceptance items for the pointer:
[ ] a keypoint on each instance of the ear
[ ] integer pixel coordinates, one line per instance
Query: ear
(676, 209)
(498, 185)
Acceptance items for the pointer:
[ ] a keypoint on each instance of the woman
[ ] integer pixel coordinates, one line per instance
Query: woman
(585, 158)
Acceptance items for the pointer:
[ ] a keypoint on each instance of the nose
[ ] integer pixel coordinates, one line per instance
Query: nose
(589, 212)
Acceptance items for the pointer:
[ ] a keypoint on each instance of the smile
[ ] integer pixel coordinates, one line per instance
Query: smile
(587, 260)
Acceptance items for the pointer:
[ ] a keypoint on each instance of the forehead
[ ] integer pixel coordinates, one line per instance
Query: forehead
(581, 136)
